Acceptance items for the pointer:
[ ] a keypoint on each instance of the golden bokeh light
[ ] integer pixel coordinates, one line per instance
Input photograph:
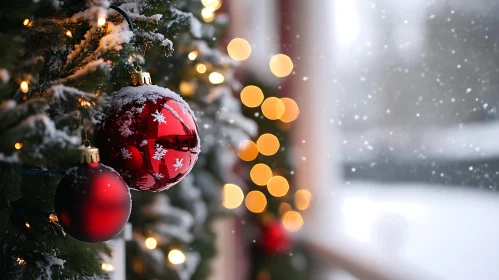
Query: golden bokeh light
(251, 96)
(273, 108)
(292, 221)
(302, 199)
(284, 207)
(208, 14)
(278, 186)
(281, 65)
(24, 86)
(107, 267)
(239, 49)
(187, 88)
(18, 145)
(291, 111)
(101, 21)
(260, 174)
(247, 150)
(21, 261)
(216, 78)
(26, 22)
(212, 4)
(267, 144)
(151, 243)
(232, 196)
(201, 68)
(176, 256)
(193, 55)
(255, 201)
(27, 225)
(69, 34)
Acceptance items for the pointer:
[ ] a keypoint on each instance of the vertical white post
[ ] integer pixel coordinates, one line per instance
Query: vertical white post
(116, 264)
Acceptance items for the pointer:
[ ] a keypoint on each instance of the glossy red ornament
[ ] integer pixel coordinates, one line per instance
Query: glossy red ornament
(92, 202)
(150, 137)
(275, 239)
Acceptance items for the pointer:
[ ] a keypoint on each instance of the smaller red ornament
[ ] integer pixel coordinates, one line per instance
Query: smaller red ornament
(275, 239)
(92, 201)
(132, 157)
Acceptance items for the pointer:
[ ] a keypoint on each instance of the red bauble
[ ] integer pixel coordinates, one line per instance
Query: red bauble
(150, 137)
(92, 202)
(275, 239)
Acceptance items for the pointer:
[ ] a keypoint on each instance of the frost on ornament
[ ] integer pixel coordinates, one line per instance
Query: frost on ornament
(150, 137)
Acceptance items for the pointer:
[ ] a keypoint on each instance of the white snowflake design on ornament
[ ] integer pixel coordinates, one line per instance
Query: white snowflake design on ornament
(158, 117)
(178, 163)
(144, 142)
(125, 128)
(160, 152)
(158, 176)
(126, 153)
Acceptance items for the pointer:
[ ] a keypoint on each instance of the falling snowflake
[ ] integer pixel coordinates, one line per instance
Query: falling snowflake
(144, 142)
(160, 152)
(125, 129)
(126, 153)
(178, 163)
(158, 117)
(158, 176)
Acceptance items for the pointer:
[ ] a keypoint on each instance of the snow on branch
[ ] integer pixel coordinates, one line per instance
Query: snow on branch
(87, 69)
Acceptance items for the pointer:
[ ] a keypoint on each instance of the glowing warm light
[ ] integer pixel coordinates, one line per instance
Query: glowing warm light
(53, 218)
(101, 21)
(239, 49)
(212, 4)
(292, 221)
(208, 14)
(27, 225)
(273, 108)
(26, 22)
(302, 199)
(84, 103)
(107, 267)
(281, 65)
(247, 150)
(216, 78)
(193, 55)
(284, 207)
(69, 34)
(267, 144)
(291, 111)
(176, 256)
(278, 186)
(18, 145)
(24, 86)
(151, 243)
(251, 96)
(260, 174)
(187, 88)
(201, 68)
(232, 196)
(20, 261)
(255, 201)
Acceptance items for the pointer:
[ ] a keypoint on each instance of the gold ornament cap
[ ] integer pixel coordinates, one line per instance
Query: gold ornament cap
(140, 78)
(89, 155)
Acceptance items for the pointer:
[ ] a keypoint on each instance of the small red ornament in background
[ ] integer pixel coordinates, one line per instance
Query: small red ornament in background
(150, 137)
(275, 239)
(92, 201)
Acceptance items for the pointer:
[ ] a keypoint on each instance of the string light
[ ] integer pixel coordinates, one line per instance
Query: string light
(247, 150)
(260, 174)
(255, 201)
(107, 267)
(53, 218)
(281, 65)
(20, 261)
(302, 199)
(278, 186)
(251, 96)
(24, 86)
(84, 103)
(267, 144)
(291, 111)
(239, 49)
(18, 145)
(187, 88)
(193, 55)
(151, 243)
(273, 108)
(232, 196)
(208, 14)
(292, 221)
(212, 4)
(176, 256)
(26, 22)
(27, 225)
(69, 34)
(201, 68)
(216, 78)
(101, 21)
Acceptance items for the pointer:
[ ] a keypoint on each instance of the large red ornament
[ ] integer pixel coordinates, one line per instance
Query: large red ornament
(150, 137)
(275, 239)
(92, 202)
